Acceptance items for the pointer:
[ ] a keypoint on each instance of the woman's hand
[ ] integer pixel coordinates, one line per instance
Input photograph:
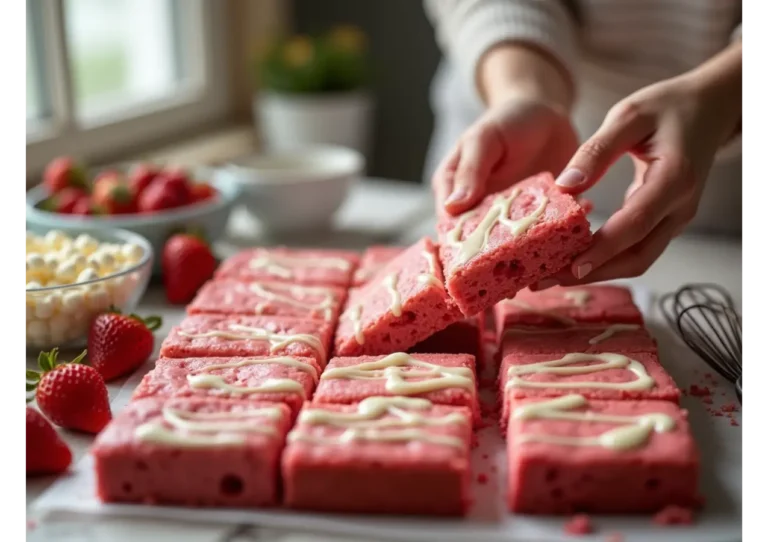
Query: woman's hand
(672, 130)
(524, 131)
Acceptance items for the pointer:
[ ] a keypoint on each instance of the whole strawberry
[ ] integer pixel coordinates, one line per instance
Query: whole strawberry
(47, 453)
(65, 200)
(72, 395)
(141, 177)
(161, 195)
(187, 264)
(119, 343)
(112, 193)
(64, 172)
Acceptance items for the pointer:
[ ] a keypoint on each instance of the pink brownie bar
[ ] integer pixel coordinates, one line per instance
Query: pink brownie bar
(211, 335)
(192, 452)
(563, 307)
(510, 240)
(299, 266)
(404, 305)
(444, 379)
(613, 376)
(374, 259)
(560, 465)
(595, 338)
(464, 337)
(285, 379)
(269, 298)
(342, 462)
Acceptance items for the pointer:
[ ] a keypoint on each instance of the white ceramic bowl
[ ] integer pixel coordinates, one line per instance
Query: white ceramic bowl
(293, 190)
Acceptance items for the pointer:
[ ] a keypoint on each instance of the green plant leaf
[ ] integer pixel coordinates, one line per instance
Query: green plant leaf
(33, 376)
(31, 387)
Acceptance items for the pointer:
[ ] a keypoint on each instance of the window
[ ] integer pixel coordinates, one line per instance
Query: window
(106, 76)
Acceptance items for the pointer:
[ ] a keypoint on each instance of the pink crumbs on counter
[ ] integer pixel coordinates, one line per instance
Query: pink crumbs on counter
(674, 515)
(699, 391)
(578, 525)
(730, 407)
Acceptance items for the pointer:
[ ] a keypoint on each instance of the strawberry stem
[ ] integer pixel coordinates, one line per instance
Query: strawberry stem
(152, 322)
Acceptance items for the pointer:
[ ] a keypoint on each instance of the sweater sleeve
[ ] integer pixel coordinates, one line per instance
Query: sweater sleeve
(466, 29)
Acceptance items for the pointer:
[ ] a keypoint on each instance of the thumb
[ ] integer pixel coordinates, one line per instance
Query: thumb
(480, 152)
(619, 133)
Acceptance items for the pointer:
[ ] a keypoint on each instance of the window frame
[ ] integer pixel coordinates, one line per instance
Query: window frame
(206, 99)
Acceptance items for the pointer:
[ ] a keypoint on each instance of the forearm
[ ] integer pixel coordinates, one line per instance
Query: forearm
(517, 69)
(718, 82)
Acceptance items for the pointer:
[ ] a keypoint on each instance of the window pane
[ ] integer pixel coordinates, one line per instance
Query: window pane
(122, 52)
(36, 102)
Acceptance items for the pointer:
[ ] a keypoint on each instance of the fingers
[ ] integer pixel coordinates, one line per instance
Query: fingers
(639, 216)
(442, 179)
(480, 152)
(624, 128)
(635, 261)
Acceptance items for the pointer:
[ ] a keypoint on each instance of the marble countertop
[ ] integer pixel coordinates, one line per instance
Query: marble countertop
(377, 211)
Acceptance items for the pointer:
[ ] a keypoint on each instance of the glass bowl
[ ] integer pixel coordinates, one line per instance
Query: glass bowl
(61, 315)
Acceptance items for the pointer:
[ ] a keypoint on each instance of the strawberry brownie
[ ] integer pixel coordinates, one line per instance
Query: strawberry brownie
(510, 240)
(606, 375)
(296, 266)
(444, 379)
(385, 455)
(269, 298)
(272, 379)
(571, 454)
(595, 338)
(373, 261)
(213, 335)
(464, 337)
(563, 307)
(192, 452)
(405, 304)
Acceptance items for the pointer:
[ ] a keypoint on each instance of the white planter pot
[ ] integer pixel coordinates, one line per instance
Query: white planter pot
(287, 121)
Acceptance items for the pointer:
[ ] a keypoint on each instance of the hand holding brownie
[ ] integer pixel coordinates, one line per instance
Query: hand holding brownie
(672, 129)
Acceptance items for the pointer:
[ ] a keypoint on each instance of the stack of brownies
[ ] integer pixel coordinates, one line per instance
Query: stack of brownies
(334, 382)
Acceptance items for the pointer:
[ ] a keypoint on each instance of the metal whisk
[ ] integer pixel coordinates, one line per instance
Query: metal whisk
(705, 317)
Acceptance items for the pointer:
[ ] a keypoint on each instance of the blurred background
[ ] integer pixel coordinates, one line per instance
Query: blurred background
(204, 81)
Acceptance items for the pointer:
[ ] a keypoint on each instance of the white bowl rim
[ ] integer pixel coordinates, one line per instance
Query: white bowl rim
(340, 161)
(131, 237)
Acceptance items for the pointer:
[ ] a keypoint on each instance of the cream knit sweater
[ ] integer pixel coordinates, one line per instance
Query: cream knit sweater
(611, 48)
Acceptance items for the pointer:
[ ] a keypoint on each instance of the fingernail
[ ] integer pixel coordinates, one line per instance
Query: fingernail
(456, 196)
(582, 270)
(570, 177)
(546, 283)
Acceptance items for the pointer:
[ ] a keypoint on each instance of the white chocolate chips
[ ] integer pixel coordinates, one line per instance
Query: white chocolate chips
(55, 317)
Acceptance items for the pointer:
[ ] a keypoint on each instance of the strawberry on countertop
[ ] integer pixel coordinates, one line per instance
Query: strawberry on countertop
(64, 172)
(71, 395)
(112, 194)
(47, 453)
(119, 343)
(187, 263)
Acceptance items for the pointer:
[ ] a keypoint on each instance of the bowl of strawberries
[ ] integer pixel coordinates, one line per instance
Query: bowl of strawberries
(151, 200)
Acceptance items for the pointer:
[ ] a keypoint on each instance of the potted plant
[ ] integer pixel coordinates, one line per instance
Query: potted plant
(313, 90)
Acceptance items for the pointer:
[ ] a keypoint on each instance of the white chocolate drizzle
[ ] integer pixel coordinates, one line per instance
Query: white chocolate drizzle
(605, 332)
(578, 298)
(497, 212)
(202, 429)
(399, 370)
(564, 366)
(277, 341)
(633, 431)
(297, 293)
(369, 423)
(354, 314)
(203, 380)
(431, 276)
(390, 282)
(282, 265)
